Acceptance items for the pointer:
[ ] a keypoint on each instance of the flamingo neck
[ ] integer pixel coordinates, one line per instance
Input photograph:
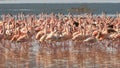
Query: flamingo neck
(45, 30)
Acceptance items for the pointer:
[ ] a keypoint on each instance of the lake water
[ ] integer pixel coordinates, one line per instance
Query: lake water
(66, 54)
(36, 8)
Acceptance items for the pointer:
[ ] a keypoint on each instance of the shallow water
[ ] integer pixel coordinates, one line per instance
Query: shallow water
(66, 54)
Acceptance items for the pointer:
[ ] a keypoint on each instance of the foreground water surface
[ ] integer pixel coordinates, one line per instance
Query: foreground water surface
(68, 54)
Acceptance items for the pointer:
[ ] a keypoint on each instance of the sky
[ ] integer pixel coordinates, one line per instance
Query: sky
(59, 1)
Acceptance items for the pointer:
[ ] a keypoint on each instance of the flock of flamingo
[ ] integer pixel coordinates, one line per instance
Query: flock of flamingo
(58, 27)
(50, 29)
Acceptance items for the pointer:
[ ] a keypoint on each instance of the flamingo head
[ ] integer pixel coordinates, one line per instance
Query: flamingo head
(95, 33)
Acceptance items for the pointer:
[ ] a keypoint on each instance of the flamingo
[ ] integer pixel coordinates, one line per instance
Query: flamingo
(22, 38)
(50, 35)
(95, 37)
(115, 36)
(8, 32)
(25, 35)
(54, 36)
(1, 23)
(21, 35)
(111, 30)
(78, 37)
(1, 34)
(90, 40)
(39, 34)
(67, 34)
(10, 26)
(76, 33)
(43, 38)
(15, 36)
